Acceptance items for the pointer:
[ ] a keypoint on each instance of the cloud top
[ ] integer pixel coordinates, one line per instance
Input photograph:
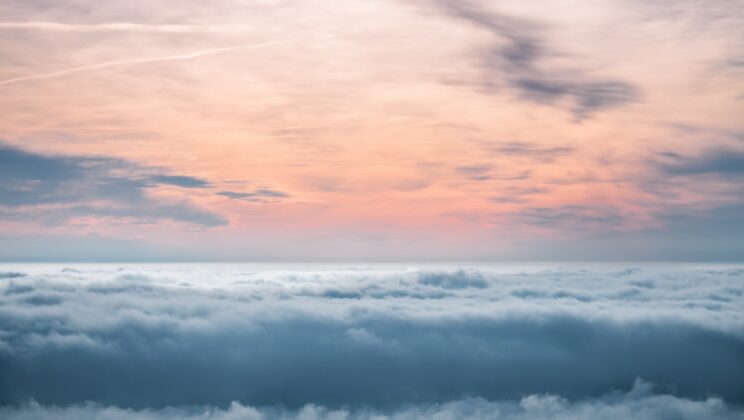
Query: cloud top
(366, 337)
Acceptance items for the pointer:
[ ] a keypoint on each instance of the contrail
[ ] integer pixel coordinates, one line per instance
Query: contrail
(121, 26)
(188, 56)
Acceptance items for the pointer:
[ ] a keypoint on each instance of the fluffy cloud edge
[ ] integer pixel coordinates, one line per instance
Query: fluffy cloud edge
(639, 403)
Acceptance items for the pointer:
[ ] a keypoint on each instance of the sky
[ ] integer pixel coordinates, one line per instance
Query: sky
(390, 130)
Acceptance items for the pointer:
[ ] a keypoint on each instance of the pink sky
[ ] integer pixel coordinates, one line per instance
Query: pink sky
(381, 130)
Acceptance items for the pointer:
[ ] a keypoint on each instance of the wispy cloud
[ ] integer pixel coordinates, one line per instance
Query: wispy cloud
(180, 181)
(91, 185)
(121, 27)
(529, 150)
(519, 63)
(570, 218)
(475, 172)
(728, 162)
(259, 194)
(176, 57)
(98, 66)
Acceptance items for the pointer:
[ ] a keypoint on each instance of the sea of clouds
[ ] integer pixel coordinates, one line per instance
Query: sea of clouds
(374, 341)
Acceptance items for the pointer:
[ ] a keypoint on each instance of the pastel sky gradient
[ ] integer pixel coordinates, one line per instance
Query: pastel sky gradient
(372, 130)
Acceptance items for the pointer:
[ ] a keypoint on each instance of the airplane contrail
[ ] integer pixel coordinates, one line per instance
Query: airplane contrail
(121, 26)
(187, 56)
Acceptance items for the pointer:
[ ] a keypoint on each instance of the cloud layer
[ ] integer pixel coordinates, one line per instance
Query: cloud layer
(636, 404)
(379, 337)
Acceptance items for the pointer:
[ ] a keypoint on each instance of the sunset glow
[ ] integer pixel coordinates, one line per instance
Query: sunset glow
(371, 209)
(373, 130)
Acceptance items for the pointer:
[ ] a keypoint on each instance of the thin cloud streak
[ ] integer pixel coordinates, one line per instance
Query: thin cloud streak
(177, 57)
(122, 27)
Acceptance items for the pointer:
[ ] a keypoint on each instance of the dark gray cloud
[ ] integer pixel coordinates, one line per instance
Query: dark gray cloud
(525, 174)
(706, 133)
(117, 336)
(722, 161)
(517, 194)
(475, 172)
(486, 172)
(528, 150)
(154, 211)
(35, 179)
(588, 96)
(518, 59)
(570, 217)
(30, 178)
(260, 194)
(180, 181)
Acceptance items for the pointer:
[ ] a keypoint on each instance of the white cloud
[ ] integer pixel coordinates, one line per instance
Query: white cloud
(637, 404)
(389, 338)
